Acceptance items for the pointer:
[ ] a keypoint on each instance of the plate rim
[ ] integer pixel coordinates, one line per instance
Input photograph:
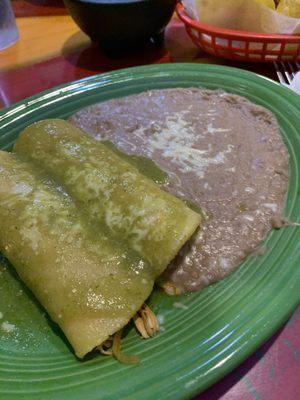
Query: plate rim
(79, 86)
(68, 86)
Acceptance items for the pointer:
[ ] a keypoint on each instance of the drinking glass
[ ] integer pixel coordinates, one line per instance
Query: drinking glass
(8, 29)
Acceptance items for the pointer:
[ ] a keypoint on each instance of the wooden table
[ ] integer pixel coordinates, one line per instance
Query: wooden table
(52, 51)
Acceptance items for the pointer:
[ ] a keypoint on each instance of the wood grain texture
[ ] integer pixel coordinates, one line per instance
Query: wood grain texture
(17, 84)
(30, 8)
(42, 38)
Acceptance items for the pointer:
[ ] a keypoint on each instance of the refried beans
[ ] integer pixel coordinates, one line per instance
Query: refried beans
(222, 152)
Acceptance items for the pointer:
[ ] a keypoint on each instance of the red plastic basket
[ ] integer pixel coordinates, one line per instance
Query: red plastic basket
(239, 45)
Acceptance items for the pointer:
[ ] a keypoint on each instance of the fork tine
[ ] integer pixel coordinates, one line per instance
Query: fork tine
(286, 73)
(292, 68)
(280, 75)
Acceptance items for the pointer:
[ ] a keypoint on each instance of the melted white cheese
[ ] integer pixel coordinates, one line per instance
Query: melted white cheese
(175, 141)
(7, 327)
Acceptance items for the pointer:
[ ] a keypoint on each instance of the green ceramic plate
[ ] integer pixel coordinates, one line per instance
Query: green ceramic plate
(218, 328)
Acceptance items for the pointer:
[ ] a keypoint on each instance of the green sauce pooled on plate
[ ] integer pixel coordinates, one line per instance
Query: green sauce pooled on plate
(150, 169)
(144, 165)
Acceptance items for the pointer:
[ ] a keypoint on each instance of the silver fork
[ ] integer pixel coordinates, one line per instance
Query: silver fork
(286, 71)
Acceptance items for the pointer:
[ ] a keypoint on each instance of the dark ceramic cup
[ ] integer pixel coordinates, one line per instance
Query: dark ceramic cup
(119, 25)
